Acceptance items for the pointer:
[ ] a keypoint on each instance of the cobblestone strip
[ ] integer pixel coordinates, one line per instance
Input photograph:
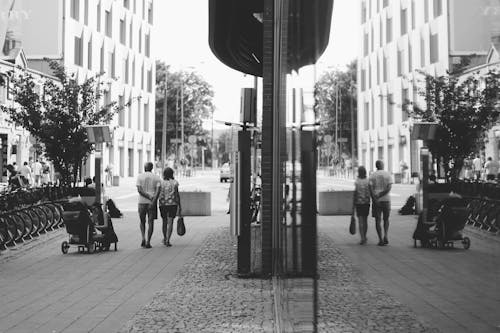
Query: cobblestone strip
(348, 303)
(205, 296)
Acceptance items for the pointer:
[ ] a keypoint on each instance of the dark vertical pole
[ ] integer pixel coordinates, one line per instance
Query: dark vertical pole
(424, 157)
(244, 207)
(352, 133)
(98, 160)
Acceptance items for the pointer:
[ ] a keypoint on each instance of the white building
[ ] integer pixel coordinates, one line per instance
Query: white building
(398, 39)
(109, 37)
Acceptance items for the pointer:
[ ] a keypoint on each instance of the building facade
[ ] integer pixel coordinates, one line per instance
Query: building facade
(400, 40)
(108, 38)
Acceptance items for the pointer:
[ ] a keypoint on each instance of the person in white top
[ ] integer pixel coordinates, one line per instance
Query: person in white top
(491, 169)
(25, 171)
(37, 172)
(380, 184)
(147, 183)
(477, 166)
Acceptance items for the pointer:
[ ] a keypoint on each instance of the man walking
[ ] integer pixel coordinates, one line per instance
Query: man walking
(491, 169)
(477, 166)
(37, 173)
(147, 183)
(380, 183)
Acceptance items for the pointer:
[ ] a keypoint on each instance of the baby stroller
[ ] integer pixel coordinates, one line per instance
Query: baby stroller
(89, 228)
(446, 227)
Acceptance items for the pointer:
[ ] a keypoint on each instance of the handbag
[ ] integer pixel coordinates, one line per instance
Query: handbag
(352, 226)
(181, 227)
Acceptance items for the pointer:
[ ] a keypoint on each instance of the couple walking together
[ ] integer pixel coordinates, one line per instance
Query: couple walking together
(375, 189)
(154, 191)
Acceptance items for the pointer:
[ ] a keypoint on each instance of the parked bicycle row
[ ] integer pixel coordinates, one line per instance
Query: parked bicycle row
(15, 198)
(484, 213)
(17, 226)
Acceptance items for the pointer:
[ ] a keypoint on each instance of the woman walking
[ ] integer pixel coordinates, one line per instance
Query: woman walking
(169, 202)
(361, 202)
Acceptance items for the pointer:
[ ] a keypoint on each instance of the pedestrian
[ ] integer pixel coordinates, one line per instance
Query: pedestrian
(403, 167)
(491, 169)
(477, 166)
(380, 184)
(37, 173)
(169, 202)
(361, 202)
(25, 171)
(147, 183)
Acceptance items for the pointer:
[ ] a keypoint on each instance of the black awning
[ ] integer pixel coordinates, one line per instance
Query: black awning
(236, 32)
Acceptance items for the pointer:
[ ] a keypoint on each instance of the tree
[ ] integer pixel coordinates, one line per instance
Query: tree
(465, 109)
(197, 99)
(337, 88)
(57, 118)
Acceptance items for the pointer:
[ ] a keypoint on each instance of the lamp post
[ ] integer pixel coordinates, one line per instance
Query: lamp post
(164, 128)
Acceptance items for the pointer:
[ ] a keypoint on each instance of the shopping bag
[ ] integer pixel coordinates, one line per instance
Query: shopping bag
(352, 226)
(181, 227)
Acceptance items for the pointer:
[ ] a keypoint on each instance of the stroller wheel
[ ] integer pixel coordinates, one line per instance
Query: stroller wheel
(466, 243)
(414, 243)
(64, 247)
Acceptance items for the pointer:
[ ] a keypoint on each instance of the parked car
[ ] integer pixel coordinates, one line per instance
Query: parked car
(225, 173)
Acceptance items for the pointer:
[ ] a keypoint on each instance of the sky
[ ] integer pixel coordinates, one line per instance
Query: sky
(181, 40)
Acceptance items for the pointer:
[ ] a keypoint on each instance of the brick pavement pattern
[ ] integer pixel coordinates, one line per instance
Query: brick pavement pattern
(349, 303)
(205, 296)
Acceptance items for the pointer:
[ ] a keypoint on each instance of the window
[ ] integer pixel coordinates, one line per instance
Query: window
(150, 80)
(404, 23)
(143, 9)
(405, 99)
(75, 9)
(101, 68)
(422, 51)
(121, 115)
(131, 36)
(381, 32)
(86, 12)
(142, 76)
(363, 79)
(363, 12)
(400, 62)
(4, 86)
(133, 72)
(98, 16)
(365, 43)
(129, 113)
(413, 14)
(125, 69)
(78, 51)
(138, 123)
(111, 63)
(381, 105)
(386, 3)
(147, 45)
(126, 4)
(140, 40)
(410, 57)
(385, 68)
(390, 109)
(89, 54)
(108, 21)
(388, 30)
(426, 11)
(123, 32)
(367, 116)
(135, 6)
(372, 38)
(369, 75)
(146, 117)
(369, 8)
(150, 13)
(378, 6)
(378, 70)
(434, 48)
(438, 8)
(373, 113)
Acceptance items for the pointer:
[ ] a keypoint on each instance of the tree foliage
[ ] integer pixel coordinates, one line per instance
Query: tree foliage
(197, 97)
(336, 88)
(58, 116)
(465, 109)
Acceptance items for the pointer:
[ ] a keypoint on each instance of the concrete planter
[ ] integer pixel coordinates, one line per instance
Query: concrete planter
(335, 202)
(196, 203)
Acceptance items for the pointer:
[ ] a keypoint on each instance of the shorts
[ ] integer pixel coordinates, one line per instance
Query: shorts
(149, 210)
(168, 211)
(362, 210)
(381, 208)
